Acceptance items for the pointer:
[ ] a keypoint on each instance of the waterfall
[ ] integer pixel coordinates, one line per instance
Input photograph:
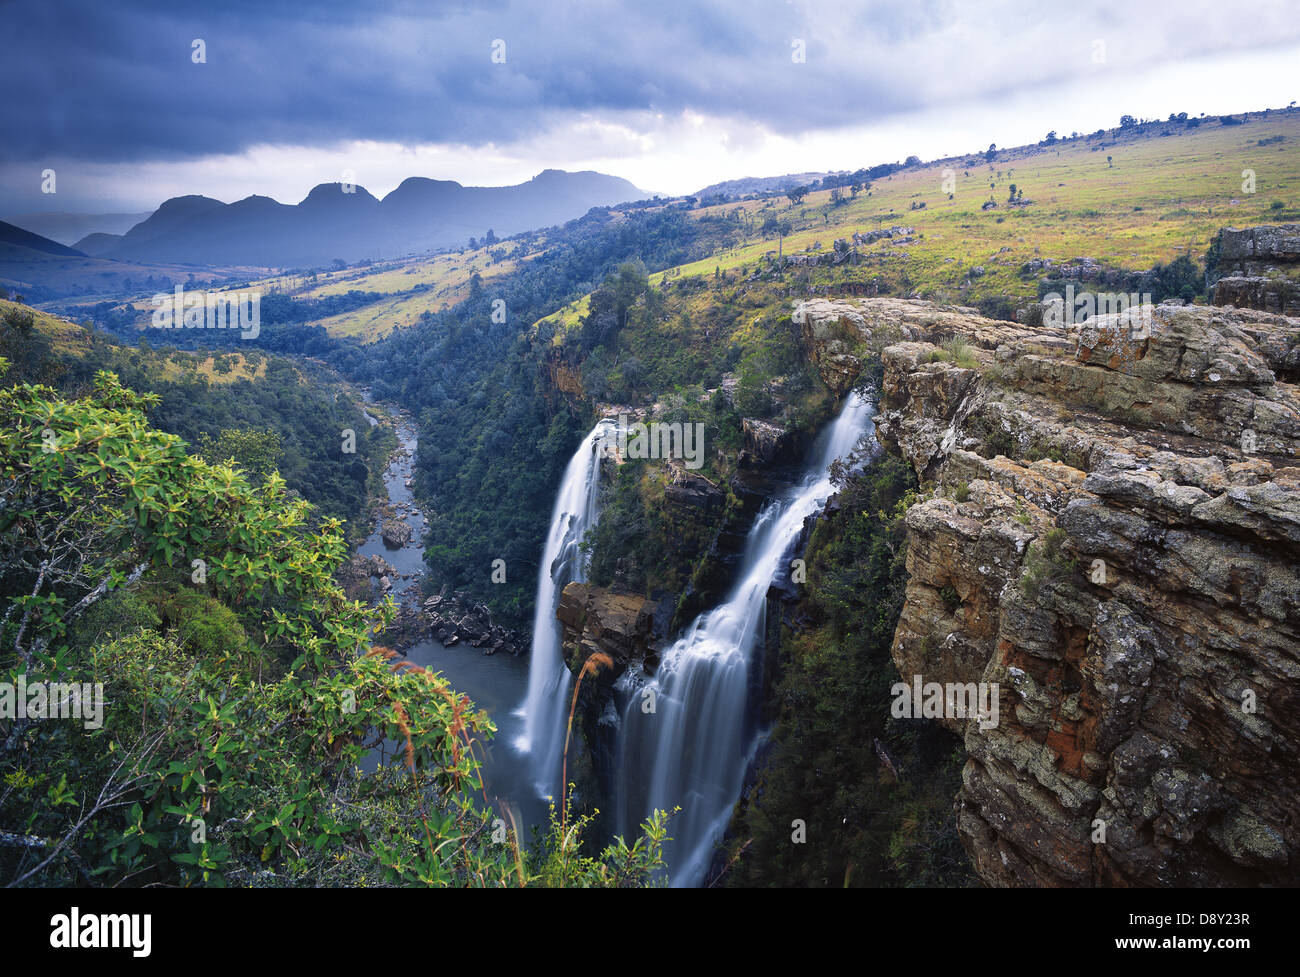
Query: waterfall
(692, 749)
(546, 707)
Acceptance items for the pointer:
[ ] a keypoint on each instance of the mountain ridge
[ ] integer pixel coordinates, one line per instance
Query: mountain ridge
(15, 236)
(347, 222)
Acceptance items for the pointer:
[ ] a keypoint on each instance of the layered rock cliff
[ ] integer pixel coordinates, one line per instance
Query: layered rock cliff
(1257, 268)
(1111, 536)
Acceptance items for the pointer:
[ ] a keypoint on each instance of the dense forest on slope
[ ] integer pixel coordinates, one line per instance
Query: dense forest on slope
(491, 448)
(223, 403)
(709, 352)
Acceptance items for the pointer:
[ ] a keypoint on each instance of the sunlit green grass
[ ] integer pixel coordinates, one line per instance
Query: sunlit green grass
(1161, 196)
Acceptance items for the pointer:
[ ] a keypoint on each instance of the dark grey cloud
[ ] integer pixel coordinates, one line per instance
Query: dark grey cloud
(114, 82)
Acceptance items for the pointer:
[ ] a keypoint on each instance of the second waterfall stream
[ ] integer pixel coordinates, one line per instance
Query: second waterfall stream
(691, 751)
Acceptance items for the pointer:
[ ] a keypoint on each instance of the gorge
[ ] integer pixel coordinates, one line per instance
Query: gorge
(903, 492)
(686, 730)
(1094, 540)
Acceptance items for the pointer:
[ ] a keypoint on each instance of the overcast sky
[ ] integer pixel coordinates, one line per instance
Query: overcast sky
(670, 95)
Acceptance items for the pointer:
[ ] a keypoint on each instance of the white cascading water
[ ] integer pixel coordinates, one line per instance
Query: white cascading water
(692, 750)
(545, 708)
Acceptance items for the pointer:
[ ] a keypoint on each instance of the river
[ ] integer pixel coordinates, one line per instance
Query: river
(495, 683)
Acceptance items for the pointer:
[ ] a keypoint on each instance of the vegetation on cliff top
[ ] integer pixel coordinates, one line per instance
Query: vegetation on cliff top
(237, 404)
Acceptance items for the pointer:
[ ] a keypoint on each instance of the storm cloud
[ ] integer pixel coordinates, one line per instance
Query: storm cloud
(115, 83)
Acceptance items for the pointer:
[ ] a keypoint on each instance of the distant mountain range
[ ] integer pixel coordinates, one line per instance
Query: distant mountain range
(15, 240)
(420, 215)
(66, 228)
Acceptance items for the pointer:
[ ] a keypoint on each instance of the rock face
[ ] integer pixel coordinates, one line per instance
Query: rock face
(562, 380)
(690, 491)
(1112, 539)
(766, 443)
(831, 329)
(1257, 268)
(1267, 294)
(830, 332)
(1255, 250)
(597, 620)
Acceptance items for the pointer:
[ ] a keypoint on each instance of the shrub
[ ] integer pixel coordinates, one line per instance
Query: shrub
(206, 769)
(1046, 560)
(962, 352)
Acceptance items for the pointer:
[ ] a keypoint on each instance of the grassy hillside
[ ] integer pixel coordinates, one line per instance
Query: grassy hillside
(1129, 198)
(1165, 192)
(401, 290)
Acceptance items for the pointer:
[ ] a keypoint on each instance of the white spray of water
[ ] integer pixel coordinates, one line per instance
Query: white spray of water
(549, 681)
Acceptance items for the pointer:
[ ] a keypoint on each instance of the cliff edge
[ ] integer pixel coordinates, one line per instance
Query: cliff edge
(1110, 535)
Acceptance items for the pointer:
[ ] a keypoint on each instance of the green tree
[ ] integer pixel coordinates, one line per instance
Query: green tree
(219, 760)
(253, 451)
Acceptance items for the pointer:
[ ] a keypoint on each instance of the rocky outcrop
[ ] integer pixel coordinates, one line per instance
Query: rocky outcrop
(600, 621)
(843, 251)
(457, 618)
(766, 443)
(1254, 251)
(596, 620)
(691, 492)
(831, 330)
(1267, 294)
(1256, 268)
(395, 533)
(1111, 538)
(1089, 271)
